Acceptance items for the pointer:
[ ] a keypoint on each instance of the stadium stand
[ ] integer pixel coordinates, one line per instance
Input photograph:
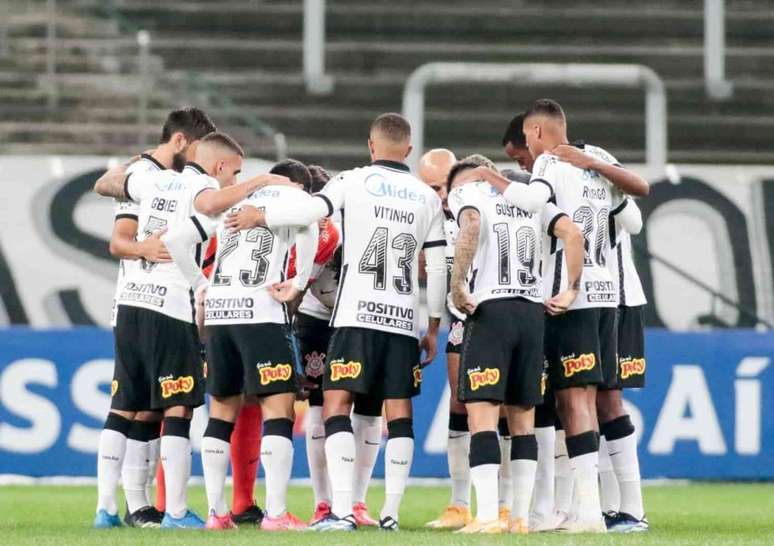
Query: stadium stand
(252, 53)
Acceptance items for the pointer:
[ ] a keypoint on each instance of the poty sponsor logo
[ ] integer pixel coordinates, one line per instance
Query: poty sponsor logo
(315, 363)
(349, 370)
(278, 372)
(479, 378)
(582, 363)
(417, 376)
(379, 186)
(632, 366)
(171, 387)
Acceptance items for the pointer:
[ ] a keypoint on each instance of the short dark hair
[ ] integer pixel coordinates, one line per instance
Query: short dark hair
(457, 168)
(320, 177)
(192, 122)
(514, 133)
(295, 170)
(225, 141)
(545, 107)
(393, 126)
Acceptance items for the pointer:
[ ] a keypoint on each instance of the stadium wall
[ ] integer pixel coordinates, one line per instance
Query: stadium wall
(706, 413)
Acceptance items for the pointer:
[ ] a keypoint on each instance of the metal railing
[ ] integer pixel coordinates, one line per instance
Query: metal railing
(618, 75)
(316, 80)
(194, 85)
(715, 82)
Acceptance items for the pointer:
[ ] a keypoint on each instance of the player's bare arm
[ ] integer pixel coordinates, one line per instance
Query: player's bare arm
(435, 269)
(568, 231)
(111, 184)
(464, 252)
(123, 243)
(627, 181)
(214, 202)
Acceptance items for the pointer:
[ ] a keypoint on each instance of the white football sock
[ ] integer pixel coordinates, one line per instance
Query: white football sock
(398, 456)
(154, 455)
(277, 459)
(134, 474)
(523, 478)
(623, 455)
(340, 454)
(543, 495)
(586, 476)
(368, 436)
(458, 454)
(110, 457)
(216, 455)
(505, 487)
(484, 477)
(176, 459)
(564, 480)
(610, 497)
(315, 455)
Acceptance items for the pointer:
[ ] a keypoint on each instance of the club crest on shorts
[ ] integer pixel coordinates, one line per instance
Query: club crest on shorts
(631, 366)
(269, 373)
(417, 372)
(113, 387)
(315, 364)
(582, 363)
(455, 334)
(171, 386)
(345, 370)
(481, 378)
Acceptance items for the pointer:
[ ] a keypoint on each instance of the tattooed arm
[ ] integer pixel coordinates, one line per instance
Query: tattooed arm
(464, 251)
(112, 183)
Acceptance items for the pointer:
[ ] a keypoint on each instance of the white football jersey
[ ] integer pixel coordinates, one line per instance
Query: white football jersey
(624, 272)
(166, 199)
(388, 216)
(507, 260)
(248, 262)
(130, 210)
(588, 198)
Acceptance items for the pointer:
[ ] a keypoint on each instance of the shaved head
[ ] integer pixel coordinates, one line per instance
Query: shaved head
(435, 165)
(434, 168)
(545, 126)
(221, 157)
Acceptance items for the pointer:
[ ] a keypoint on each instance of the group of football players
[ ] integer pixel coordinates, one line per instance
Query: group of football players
(297, 286)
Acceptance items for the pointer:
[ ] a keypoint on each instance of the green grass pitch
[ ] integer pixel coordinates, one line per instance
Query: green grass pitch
(679, 514)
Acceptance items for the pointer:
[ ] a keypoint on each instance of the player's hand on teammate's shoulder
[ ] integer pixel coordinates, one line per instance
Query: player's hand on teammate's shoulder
(560, 303)
(574, 156)
(268, 179)
(246, 217)
(284, 292)
(154, 249)
(472, 175)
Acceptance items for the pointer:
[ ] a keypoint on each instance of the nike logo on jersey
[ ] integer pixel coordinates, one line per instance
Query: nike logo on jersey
(318, 437)
(371, 443)
(326, 292)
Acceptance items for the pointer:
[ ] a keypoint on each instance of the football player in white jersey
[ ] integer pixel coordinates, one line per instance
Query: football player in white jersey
(502, 360)
(312, 330)
(158, 364)
(434, 169)
(580, 345)
(388, 216)
(249, 353)
(140, 436)
(619, 463)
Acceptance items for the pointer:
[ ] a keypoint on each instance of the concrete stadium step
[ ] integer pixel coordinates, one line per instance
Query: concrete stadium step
(497, 21)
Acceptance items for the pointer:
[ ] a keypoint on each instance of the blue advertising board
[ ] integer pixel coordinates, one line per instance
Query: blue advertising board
(707, 411)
